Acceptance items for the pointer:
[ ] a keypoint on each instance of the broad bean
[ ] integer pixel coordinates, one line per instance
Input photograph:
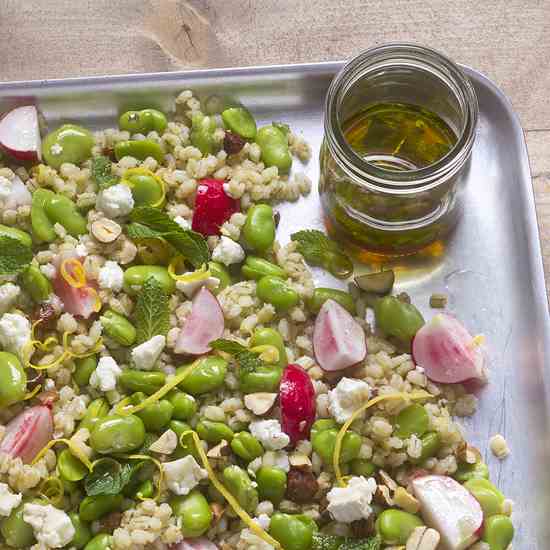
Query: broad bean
(293, 531)
(488, 496)
(96, 410)
(240, 121)
(398, 319)
(142, 381)
(259, 228)
(36, 283)
(498, 532)
(143, 122)
(118, 328)
(325, 441)
(139, 150)
(185, 405)
(214, 432)
(135, 276)
(155, 416)
(321, 295)
(62, 210)
(277, 292)
(194, 513)
(69, 143)
(42, 227)
(102, 541)
(411, 420)
(16, 531)
(239, 484)
(431, 442)
(207, 376)
(271, 483)
(117, 434)
(395, 526)
(219, 271)
(256, 268)
(274, 146)
(70, 468)
(362, 467)
(246, 446)
(270, 337)
(202, 133)
(13, 379)
(82, 532)
(262, 379)
(83, 369)
(95, 507)
(465, 471)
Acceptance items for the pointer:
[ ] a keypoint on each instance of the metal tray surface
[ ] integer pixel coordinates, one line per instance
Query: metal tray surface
(491, 269)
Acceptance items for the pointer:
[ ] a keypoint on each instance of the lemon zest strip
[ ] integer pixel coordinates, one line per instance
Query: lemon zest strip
(139, 171)
(76, 279)
(268, 353)
(75, 450)
(196, 276)
(161, 473)
(252, 525)
(340, 437)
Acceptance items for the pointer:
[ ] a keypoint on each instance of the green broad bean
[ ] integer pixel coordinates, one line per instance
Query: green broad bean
(259, 228)
(325, 441)
(146, 489)
(42, 227)
(96, 410)
(270, 337)
(293, 531)
(146, 189)
(214, 432)
(238, 483)
(277, 292)
(271, 483)
(142, 381)
(498, 532)
(13, 379)
(118, 328)
(70, 468)
(185, 405)
(207, 376)
(362, 467)
(202, 134)
(398, 319)
(246, 446)
(16, 532)
(321, 295)
(143, 122)
(139, 149)
(240, 121)
(22, 236)
(411, 420)
(62, 210)
(194, 513)
(431, 443)
(488, 496)
(83, 369)
(187, 446)
(321, 425)
(396, 526)
(82, 532)
(36, 283)
(135, 276)
(220, 272)
(263, 379)
(95, 507)
(102, 541)
(274, 146)
(465, 471)
(117, 434)
(69, 143)
(156, 416)
(256, 268)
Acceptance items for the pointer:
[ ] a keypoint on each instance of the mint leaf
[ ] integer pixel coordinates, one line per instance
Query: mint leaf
(372, 543)
(109, 477)
(138, 231)
(14, 255)
(191, 245)
(102, 172)
(152, 314)
(228, 346)
(326, 542)
(248, 361)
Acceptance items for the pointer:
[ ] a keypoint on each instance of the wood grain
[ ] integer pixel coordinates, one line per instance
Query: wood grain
(509, 40)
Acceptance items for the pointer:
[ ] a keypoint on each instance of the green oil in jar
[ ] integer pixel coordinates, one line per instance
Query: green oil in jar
(399, 136)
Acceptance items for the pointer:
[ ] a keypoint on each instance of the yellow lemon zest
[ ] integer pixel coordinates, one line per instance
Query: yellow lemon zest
(52, 489)
(77, 279)
(66, 345)
(139, 171)
(123, 410)
(477, 341)
(268, 354)
(198, 275)
(340, 437)
(31, 394)
(158, 464)
(252, 525)
(75, 450)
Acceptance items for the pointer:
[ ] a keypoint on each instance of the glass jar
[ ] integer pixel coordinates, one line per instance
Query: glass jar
(384, 210)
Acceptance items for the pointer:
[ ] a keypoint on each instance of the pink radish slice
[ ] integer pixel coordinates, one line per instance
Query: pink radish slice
(28, 433)
(449, 508)
(20, 133)
(194, 544)
(447, 352)
(204, 324)
(297, 401)
(338, 340)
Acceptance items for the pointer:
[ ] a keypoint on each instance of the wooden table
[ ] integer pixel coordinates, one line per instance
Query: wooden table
(508, 40)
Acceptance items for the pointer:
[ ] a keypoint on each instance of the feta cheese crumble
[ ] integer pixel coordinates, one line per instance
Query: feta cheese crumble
(348, 395)
(8, 295)
(146, 355)
(270, 434)
(106, 374)
(166, 443)
(115, 201)
(190, 288)
(183, 475)
(111, 276)
(8, 500)
(352, 503)
(52, 527)
(228, 252)
(15, 332)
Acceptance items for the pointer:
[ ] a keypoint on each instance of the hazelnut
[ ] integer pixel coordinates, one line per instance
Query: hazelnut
(105, 230)
(260, 403)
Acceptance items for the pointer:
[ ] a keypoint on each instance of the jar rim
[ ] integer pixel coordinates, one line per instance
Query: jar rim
(411, 56)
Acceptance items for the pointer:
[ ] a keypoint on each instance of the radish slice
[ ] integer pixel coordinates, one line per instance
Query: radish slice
(213, 207)
(449, 508)
(20, 133)
(338, 340)
(447, 352)
(297, 401)
(204, 324)
(194, 544)
(28, 433)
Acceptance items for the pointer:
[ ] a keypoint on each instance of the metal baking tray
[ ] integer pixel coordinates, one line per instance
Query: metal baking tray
(491, 269)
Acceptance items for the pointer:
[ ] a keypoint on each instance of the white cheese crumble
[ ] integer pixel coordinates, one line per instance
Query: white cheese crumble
(499, 446)
(52, 527)
(56, 149)
(8, 295)
(352, 503)
(228, 252)
(146, 355)
(276, 459)
(189, 289)
(270, 434)
(8, 500)
(111, 276)
(106, 374)
(348, 395)
(166, 443)
(115, 201)
(15, 332)
(183, 475)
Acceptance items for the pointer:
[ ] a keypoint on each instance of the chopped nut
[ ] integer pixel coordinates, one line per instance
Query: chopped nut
(467, 453)
(438, 301)
(507, 507)
(299, 460)
(105, 230)
(260, 403)
(217, 511)
(221, 450)
(499, 447)
(166, 444)
(423, 538)
(387, 480)
(301, 485)
(232, 143)
(383, 496)
(406, 501)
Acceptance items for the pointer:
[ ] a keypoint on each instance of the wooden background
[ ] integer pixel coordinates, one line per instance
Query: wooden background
(508, 40)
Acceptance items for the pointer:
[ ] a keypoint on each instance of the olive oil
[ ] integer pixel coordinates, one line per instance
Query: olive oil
(399, 136)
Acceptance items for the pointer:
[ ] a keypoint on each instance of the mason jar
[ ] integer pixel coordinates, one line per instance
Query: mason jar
(385, 210)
